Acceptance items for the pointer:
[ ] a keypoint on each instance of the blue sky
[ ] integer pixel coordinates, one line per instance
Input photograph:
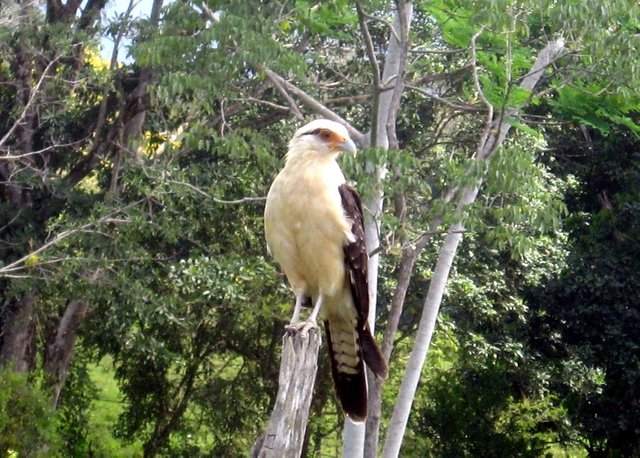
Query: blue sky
(114, 7)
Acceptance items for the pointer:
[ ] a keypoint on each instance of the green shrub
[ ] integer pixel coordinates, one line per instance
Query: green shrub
(27, 421)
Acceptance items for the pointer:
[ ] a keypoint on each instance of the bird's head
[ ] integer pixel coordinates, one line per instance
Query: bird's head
(322, 137)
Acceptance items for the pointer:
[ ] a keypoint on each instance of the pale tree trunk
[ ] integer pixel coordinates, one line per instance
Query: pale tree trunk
(386, 104)
(495, 132)
(284, 436)
(58, 354)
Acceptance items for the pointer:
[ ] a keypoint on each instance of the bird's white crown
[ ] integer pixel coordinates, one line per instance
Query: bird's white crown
(322, 138)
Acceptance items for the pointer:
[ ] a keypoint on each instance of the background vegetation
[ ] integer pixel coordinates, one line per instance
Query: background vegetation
(139, 311)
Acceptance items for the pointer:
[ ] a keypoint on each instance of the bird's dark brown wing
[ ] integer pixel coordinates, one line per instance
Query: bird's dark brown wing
(355, 252)
(356, 259)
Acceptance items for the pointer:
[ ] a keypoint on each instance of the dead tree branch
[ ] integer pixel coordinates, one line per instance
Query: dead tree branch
(315, 105)
(284, 436)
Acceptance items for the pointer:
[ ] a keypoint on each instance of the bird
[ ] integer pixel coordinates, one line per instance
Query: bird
(314, 229)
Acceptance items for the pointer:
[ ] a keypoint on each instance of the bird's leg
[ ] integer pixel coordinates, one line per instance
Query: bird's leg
(316, 309)
(296, 309)
(304, 326)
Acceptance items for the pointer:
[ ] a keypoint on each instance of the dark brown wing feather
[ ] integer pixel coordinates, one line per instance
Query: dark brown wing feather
(355, 253)
(356, 258)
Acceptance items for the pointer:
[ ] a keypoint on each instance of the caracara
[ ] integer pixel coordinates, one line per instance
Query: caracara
(314, 229)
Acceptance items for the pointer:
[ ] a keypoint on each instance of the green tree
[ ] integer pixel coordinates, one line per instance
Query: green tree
(131, 196)
(583, 319)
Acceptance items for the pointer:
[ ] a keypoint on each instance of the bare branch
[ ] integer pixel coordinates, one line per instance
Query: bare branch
(368, 42)
(348, 100)
(385, 23)
(8, 157)
(444, 76)
(200, 191)
(292, 103)
(316, 106)
(275, 106)
(209, 13)
(404, 18)
(223, 124)
(16, 216)
(17, 265)
(456, 106)
(437, 51)
(474, 69)
(476, 81)
(551, 53)
(546, 57)
(27, 106)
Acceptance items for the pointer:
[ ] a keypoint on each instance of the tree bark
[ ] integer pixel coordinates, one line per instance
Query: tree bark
(494, 134)
(386, 105)
(430, 310)
(18, 334)
(374, 415)
(59, 352)
(285, 433)
(382, 135)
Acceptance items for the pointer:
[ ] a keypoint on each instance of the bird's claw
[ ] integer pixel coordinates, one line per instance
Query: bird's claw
(301, 327)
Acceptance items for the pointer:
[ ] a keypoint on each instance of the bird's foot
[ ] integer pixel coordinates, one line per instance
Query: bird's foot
(301, 327)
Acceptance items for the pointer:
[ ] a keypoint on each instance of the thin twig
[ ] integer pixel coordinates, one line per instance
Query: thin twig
(476, 81)
(61, 236)
(27, 106)
(368, 45)
(216, 199)
(456, 106)
(8, 157)
(275, 106)
(474, 69)
(223, 124)
(385, 23)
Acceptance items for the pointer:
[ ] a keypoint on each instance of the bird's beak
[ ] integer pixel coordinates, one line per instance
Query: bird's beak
(348, 146)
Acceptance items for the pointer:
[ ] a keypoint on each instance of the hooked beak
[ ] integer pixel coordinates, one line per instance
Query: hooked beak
(348, 146)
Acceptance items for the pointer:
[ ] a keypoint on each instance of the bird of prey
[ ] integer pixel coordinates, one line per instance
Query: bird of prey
(314, 229)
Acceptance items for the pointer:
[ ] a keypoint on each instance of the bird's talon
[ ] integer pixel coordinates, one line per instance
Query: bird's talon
(301, 327)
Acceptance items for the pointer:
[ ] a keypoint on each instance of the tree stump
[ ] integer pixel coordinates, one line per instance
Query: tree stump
(284, 435)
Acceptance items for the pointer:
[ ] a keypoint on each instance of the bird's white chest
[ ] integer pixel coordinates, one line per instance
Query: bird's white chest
(308, 196)
(306, 227)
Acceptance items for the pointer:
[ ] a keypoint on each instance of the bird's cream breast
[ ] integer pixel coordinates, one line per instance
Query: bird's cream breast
(306, 227)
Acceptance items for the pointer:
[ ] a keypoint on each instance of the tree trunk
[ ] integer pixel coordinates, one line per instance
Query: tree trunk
(18, 334)
(385, 107)
(494, 134)
(374, 415)
(284, 435)
(384, 112)
(410, 381)
(58, 353)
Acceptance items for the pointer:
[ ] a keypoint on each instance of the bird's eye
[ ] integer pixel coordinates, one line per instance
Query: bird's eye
(325, 134)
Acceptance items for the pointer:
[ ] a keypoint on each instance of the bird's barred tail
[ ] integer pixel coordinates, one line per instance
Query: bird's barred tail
(347, 347)
(372, 354)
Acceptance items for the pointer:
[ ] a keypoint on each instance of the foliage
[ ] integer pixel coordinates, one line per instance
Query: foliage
(480, 366)
(600, 111)
(145, 167)
(584, 318)
(27, 421)
(75, 406)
